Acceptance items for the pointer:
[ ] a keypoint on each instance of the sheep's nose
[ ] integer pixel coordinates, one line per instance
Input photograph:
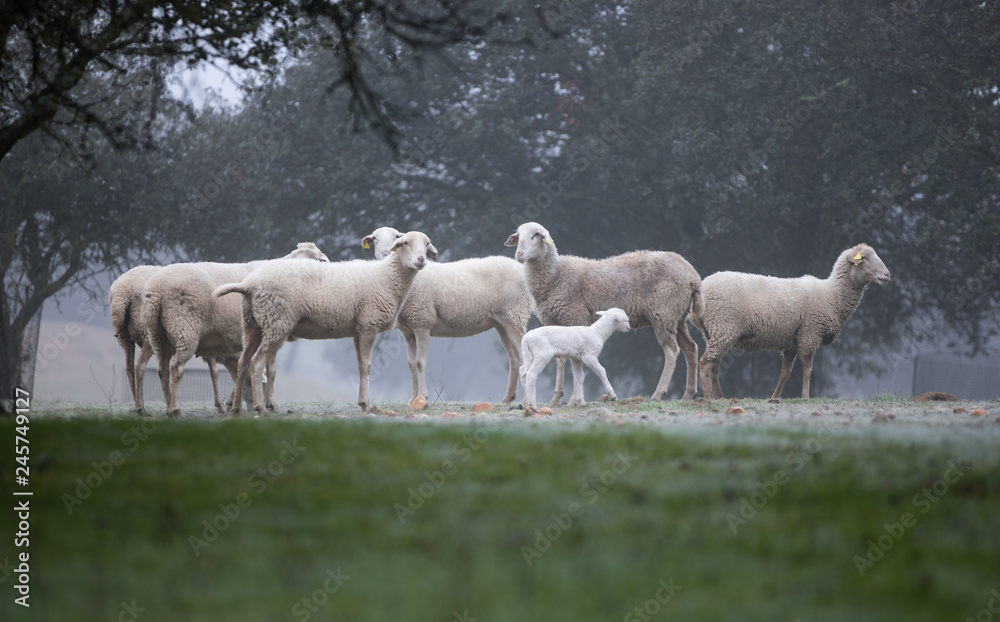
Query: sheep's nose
(421, 261)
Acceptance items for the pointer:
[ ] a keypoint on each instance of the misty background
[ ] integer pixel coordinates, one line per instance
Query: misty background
(763, 138)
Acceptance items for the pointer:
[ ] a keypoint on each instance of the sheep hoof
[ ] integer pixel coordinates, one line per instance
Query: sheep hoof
(176, 412)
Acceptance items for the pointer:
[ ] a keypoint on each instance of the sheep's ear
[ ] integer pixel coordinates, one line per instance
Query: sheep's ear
(857, 259)
(367, 241)
(511, 241)
(432, 253)
(600, 313)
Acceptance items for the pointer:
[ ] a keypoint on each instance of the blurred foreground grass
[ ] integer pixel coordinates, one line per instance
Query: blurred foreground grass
(497, 520)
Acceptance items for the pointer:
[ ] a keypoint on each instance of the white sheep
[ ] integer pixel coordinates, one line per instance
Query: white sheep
(580, 344)
(793, 315)
(654, 288)
(182, 319)
(460, 299)
(125, 300)
(356, 299)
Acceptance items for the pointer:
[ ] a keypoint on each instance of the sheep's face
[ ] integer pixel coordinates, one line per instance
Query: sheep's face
(866, 266)
(530, 240)
(382, 239)
(308, 250)
(620, 319)
(414, 250)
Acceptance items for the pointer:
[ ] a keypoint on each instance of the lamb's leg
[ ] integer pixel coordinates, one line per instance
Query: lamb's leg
(164, 352)
(512, 344)
(252, 338)
(423, 344)
(214, 373)
(788, 359)
(533, 367)
(560, 377)
(592, 362)
(577, 398)
(807, 370)
(363, 344)
(140, 376)
(668, 341)
(183, 351)
(411, 359)
(690, 350)
(716, 386)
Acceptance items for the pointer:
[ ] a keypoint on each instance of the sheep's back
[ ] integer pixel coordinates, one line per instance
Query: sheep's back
(647, 285)
(757, 312)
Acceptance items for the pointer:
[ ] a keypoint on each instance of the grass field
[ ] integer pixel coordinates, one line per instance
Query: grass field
(653, 511)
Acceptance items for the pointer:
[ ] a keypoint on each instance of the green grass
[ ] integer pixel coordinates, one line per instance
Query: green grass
(662, 515)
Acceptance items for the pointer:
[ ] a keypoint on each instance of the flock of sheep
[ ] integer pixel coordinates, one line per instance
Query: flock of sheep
(190, 309)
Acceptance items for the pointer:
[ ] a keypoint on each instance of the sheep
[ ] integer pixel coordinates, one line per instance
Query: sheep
(182, 319)
(793, 315)
(460, 299)
(580, 344)
(125, 300)
(654, 288)
(356, 299)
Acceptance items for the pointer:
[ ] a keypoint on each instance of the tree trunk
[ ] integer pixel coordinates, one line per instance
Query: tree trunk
(18, 353)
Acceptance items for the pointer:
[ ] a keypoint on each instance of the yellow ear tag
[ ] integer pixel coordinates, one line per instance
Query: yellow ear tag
(857, 259)
(547, 240)
(365, 245)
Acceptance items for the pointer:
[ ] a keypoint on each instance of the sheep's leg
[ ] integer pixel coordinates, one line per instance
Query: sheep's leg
(140, 375)
(252, 338)
(512, 344)
(807, 370)
(690, 350)
(182, 354)
(577, 398)
(129, 348)
(363, 344)
(271, 371)
(423, 337)
(265, 352)
(231, 363)
(710, 371)
(411, 359)
(786, 370)
(592, 362)
(668, 342)
(560, 377)
(214, 373)
(163, 354)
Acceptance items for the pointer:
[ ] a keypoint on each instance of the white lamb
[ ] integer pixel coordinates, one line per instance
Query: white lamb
(793, 315)
(182, 319)
(580, 344)
(310, 300)
(655, 288)
(460, 299)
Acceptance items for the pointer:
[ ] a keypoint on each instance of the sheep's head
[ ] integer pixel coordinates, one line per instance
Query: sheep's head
(414, 249)
(382, 239)
(308, 250)
(620, 318)
(864, 265)
(530, 239)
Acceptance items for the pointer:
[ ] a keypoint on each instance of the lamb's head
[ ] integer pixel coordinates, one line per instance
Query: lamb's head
(382, 240)
(414, 249)
(619, 317)
(862, 265)
(531, 240)
(307, 250)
